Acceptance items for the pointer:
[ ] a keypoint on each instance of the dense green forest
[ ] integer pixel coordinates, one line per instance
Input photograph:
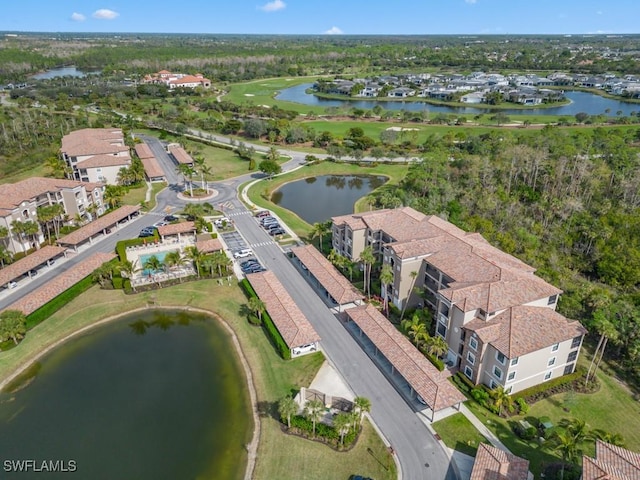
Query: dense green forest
(565, 203)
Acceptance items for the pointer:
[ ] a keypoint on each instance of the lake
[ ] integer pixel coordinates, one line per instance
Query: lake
(580, 102)
(317, 199)
(62, 72)
(159, 394)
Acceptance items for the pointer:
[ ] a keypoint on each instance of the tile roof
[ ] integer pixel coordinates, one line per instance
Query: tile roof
(611, 463)
(83, 233)
(209, 245)
(152, 167)
(93, 141)
(525, 329)
(180, 155)
(176, 228)
(287, 317)
(428, 382)
(143, 151)
(188, 79)
(491, 463)
(329, 277)
(13, 194)
(30, 262)
(47, 292)
(105, 161)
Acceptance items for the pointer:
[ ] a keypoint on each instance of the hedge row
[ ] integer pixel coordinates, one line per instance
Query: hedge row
(324, 432)
(52, 306)
(439, 364)
(121, 246)
(273, 333)
(551, 387)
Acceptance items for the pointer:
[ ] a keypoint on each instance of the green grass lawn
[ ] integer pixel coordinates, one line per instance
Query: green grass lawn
(279, 456)
(260, 193)
(458, 433)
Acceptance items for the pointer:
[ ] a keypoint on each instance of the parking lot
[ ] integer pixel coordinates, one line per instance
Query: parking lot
(234, 241)
(236, 244)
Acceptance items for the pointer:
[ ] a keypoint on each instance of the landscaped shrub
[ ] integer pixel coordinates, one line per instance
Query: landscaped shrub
(304, 427)
(49, 308)
(566, 383)
(121, 246)
(253, 320)
(118, 282)
(439, 364)
(481, 396)
(465, 380)
(127, 286)
(522, 406)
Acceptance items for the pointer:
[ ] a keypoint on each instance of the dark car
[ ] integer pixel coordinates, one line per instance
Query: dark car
(277, 231)
(147, 232)
(246, 263)
(170, 218)
(359, 477)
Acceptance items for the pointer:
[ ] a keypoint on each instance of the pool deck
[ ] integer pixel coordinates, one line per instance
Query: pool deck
(135, 254)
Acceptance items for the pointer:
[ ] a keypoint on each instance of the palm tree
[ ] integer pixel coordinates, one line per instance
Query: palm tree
(209, 263)
(368, 259)
(101, 274)
(361, 405)
(501, 398)
(342, 423)
(413, 275)
(564, 443)
(129, 269)
(416, 330)
(575, 427)
(153, 264)
(45, 216)
(28, 228)
(287, 407)
(313, 411)
(386, 278)
(437, 346)
(206, 171)
(608, 437)
(319, 230)
(5, 256)
(187, 172)
(258, 306)
(607, 330)
(195, 256)
(13, 325)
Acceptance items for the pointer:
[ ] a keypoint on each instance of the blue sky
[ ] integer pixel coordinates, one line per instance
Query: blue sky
(324, 16)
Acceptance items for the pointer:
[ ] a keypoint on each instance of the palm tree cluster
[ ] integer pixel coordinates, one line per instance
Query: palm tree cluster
(416, 330)
(198, 168)
(13, 325)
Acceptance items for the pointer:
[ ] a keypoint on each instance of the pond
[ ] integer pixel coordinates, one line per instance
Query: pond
(317, 199)
(580, 102)
(62, 72)
(159, 394)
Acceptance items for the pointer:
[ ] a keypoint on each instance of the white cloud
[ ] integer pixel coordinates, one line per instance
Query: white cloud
(470, 2)
(333, 31)
(273, 6)
(105, 14)
(78, 17)
(599, 12)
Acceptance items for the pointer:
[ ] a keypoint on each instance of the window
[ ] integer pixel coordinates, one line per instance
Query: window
(514, 361)
(511, 376)
(494, 384)
(552, 299)
(468, 372)
(551, 362)
(473, 343)
(572, 356)
(497, 373)
(554, 348)
(442, 330)
(471, 358)
(576, 342)
(501, 358)
(547, 376)
(568, 369)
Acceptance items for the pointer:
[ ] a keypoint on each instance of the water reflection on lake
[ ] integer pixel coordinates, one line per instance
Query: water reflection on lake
(317, 199)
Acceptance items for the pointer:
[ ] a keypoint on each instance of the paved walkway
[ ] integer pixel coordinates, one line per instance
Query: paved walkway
(488, 434)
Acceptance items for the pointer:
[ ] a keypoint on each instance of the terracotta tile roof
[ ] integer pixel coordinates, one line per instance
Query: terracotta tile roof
(30, 303)
(491, 463)
(611, 463)
(188, 79)
(83, 233)
(152, 167)
(13, 194)
(30, 262)
(428, 382)
(180, 155)
(105, 161)
(176, 228)
(287, 317)
(329, 277)
(93, 141)
(209, 245)
(525, 329)
(143, 151)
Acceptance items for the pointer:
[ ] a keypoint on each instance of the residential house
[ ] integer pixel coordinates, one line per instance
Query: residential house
(401, 92)
(178, 80)
(497, 317)
(611, 463)
(96, 154)
(19, 203)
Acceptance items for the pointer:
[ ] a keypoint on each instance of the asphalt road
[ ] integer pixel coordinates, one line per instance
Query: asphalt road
(420, 455)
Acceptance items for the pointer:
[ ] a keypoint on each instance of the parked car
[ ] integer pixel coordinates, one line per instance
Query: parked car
(359, 477)
(170, 218)
(161, 223)
(147, 232)
(277, 231)
(245, 252)
(246, 263)
(309, 347)
(221, 222)
(268, 219)
(32, 273)
(269, 224)
(263, 213)
(12, 285)
(254, 268)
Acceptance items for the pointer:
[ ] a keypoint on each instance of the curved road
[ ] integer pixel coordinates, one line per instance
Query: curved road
(420, 455)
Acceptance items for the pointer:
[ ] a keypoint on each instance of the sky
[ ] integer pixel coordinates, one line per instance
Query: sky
(331, 17)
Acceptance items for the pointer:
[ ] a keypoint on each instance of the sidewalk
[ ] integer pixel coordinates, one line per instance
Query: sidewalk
(488, 434)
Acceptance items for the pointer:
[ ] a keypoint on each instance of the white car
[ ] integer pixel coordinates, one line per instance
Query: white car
(243, 253)
(310, 347)
(11, 285)
(221, 221)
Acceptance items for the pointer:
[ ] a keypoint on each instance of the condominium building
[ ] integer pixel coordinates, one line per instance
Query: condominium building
(96, 154)
(177, 80)
(496, 315)
(19, 202)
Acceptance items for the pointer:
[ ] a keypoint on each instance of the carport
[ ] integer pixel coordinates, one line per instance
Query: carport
(30, 262)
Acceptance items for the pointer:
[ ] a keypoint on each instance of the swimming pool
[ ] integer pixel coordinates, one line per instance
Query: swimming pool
(159, 255)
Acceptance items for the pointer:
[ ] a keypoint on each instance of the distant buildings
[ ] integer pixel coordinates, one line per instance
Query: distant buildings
(19, 203)
(497, 317)
(96, 154)
(177, 80)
